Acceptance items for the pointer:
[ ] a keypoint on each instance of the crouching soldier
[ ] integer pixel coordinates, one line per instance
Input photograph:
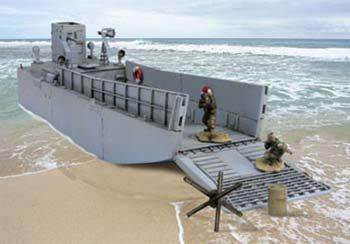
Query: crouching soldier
(272, 160)
(275, 149)
(208, 104)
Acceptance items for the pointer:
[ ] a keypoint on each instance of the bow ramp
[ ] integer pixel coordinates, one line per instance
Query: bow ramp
(236, 160)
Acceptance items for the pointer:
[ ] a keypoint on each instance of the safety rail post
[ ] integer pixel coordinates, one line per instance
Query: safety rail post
(152, 105)
(126, 97)
(114, 94)
(138, 101)
(166, 98)
(82, 84)
(62, 75)
(103, 90)
(72, 80)
(92, 88)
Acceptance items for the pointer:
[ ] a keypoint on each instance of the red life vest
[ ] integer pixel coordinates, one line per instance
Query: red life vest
(137, 75)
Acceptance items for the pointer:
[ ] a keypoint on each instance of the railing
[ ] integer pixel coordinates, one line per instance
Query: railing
(163, 107)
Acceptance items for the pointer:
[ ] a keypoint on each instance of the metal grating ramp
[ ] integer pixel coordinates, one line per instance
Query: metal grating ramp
(211, 165)
(235, 161)
(252, 151)
(254, 191)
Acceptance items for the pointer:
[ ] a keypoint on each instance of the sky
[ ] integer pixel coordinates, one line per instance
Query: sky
(181, 18)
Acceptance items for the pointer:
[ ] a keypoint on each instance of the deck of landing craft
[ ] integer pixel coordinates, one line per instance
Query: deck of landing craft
(190, 141)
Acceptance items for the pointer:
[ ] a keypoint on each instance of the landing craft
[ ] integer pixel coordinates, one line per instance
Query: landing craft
(129, 113)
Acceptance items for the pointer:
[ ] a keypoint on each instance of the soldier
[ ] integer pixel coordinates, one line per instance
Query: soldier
(274, 149)
(208, 103)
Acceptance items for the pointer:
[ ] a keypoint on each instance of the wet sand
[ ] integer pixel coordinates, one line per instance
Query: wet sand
(95, 202)
(86, 200)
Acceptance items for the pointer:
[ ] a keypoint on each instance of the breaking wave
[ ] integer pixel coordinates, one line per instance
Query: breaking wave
(20, 43)
(318, 53)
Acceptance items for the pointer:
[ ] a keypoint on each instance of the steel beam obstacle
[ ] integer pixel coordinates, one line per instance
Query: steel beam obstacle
(216, 199)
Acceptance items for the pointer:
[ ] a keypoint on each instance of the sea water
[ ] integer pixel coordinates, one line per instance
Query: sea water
(308, 79)
(308, 106)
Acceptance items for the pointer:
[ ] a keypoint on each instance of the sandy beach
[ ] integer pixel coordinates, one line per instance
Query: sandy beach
(95, 202)
(91, 201)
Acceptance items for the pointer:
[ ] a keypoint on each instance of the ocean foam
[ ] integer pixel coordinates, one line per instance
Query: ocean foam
(323, 53)
(24, 43)
(47, 161)
(41, 171)
(177, 206)
(347, 149)
(340, 240)
(37, 117)
(238, 238)
(326, 53)
(19, 151)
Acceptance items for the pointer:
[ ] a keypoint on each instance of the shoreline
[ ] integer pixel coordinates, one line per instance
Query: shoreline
(88, 200)
(91, 201)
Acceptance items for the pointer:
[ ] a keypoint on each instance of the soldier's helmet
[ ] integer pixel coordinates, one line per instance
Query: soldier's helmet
(271, 137)
(207, 90)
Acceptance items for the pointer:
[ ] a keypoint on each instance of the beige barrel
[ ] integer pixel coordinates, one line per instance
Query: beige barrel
(278, 200)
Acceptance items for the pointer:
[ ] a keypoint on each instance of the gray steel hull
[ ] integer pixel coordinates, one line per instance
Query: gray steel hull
(108, 133)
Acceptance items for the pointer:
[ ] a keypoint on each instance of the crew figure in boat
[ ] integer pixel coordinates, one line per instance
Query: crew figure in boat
(272, 160)
(208, 104)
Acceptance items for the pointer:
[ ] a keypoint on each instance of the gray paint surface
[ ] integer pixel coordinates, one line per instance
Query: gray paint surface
(164, 107)
(240, 105)
(109, 134)
(68, 41)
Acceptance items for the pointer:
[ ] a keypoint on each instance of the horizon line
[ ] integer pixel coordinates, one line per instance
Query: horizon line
(213, 38)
